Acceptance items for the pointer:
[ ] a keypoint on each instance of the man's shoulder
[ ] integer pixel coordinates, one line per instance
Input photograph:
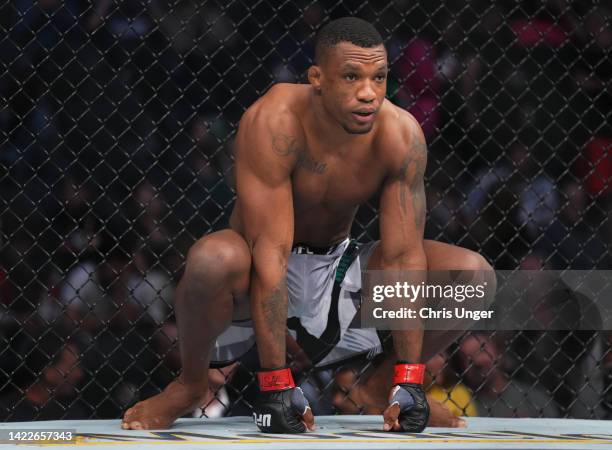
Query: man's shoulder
(397, 133)
(396, 124)
(271, 132)
(282, 102)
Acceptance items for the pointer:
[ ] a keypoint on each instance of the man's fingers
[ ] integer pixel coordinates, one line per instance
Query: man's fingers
(390, 416)
(301, 406)
(308, 419)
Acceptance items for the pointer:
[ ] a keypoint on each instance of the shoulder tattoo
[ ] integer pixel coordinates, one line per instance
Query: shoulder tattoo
(285, 145)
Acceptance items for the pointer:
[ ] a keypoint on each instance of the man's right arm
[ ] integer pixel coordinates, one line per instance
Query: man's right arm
(265, 156)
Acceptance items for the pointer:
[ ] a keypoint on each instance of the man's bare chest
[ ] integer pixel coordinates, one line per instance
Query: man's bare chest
(336, 180)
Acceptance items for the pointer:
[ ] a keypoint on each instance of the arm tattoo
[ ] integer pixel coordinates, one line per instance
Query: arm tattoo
(403, 183)
(274, 309)
(408, 344)
(285, 145)
(413, 183)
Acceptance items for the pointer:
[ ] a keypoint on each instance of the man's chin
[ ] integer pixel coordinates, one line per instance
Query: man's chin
(358, 130)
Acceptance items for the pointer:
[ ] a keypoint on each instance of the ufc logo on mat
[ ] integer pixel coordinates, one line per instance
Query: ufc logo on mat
(262, 420)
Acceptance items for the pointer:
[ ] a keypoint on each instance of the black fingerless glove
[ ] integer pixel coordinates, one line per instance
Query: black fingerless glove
(279, 405)
(408, 393)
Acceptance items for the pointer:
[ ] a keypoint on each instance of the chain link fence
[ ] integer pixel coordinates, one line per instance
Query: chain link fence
(116, 127)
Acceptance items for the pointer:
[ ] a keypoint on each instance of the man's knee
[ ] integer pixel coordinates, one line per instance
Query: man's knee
(220, 255)
(483, 274)
(475, 261)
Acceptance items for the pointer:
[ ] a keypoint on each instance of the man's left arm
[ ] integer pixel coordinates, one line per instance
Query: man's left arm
(402, 223)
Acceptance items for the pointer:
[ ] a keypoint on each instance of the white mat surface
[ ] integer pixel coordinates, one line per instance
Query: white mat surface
(334, 432)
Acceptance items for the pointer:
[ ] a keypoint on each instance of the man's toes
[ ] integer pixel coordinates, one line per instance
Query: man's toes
(135, 425)
(128, 414)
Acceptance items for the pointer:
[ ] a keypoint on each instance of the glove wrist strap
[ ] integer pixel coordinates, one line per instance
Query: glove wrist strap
(409, 373)
(275, 380)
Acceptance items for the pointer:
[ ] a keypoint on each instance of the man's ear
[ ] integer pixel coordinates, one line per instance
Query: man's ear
(314, 77)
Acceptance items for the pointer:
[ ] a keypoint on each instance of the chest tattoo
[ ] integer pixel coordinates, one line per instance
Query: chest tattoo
(285, 145)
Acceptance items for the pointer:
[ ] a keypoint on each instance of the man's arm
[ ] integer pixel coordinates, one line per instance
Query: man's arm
(402, 220)
(264, 159)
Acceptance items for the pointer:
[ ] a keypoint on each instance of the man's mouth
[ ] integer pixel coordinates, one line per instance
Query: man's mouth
(364, 116)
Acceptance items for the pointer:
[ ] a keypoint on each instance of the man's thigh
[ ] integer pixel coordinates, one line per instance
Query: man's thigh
(440, 256)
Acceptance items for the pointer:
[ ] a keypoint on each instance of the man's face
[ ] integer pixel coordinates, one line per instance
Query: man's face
(353, 84)
(479, 359)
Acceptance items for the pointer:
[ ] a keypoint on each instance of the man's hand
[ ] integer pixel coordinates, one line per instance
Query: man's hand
(281, 407)
(408, 408)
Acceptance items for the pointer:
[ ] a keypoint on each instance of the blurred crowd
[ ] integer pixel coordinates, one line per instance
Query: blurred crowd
(116, 127)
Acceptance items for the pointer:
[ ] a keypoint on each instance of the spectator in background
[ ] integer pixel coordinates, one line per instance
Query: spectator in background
(569, 241)
(47, 379)
(81, 296)
(211, 135)
(201, 34)
(75, 292)
(217, 402)
(532, 187)
(120, 353)
(495, 394)
(199, 28)
(150, 288)
(442, 385)
(75, 211)
(418, 92)
(509, 205)
(151, 217)
(154, 226)
(553, 348)
(541, 26)
(591, 68)
(205, 196)
(126, 19)
(445, 221)
(91, 294)
(595, 167)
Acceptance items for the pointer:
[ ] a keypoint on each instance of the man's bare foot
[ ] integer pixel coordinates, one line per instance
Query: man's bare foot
(441, 416)
(175, 401)
(354, 398)
(161, 410)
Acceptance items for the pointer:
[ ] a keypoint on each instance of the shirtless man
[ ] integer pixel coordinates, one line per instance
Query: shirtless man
(306, 157)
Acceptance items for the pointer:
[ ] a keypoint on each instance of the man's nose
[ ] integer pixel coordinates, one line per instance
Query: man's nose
(366, 92)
